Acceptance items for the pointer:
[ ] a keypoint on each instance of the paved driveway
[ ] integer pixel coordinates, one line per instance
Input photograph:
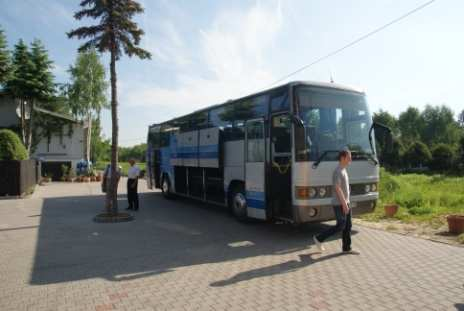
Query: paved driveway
(179, 255)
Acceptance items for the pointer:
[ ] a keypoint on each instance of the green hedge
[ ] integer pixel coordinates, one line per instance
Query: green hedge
(11, 147)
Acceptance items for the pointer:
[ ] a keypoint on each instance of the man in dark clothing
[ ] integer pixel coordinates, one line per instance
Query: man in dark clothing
(132, 183)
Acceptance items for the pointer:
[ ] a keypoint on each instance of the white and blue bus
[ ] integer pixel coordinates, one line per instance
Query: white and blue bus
(269, 155)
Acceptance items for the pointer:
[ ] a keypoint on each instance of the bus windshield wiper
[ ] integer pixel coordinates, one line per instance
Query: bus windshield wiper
(322, 156)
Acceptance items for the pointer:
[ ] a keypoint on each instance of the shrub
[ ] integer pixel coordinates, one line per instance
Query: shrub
(420, 210)
(11, 147)
(417, 155)
(413, 200)
(461, 238)
(442, 157)
(388, 186)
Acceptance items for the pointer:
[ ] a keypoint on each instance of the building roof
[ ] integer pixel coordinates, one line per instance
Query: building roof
(50, 113)
(56, 114)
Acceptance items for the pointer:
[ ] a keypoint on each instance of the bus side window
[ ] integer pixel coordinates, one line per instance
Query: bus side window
(279, 102)
(164, 135)
(216, 118)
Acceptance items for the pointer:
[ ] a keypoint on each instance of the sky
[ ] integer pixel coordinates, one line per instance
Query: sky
(207, 52)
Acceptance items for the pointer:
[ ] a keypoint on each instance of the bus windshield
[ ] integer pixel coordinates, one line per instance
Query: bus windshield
(333, 120)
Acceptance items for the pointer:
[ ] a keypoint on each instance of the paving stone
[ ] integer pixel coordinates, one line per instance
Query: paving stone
(179, 255)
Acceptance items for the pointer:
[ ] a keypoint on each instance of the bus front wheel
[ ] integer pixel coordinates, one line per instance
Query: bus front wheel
(166, 188)
(238, 204)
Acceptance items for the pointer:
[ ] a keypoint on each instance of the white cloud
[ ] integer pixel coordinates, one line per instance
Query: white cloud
(167, 45)
(232, 51)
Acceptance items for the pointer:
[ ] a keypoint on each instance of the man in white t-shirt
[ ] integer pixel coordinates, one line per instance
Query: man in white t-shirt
(341, 205)
(132, 183)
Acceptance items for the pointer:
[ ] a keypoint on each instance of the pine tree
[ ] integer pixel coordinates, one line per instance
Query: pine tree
(5, 59)
(117, 34)
(20, 86)
(42, 82)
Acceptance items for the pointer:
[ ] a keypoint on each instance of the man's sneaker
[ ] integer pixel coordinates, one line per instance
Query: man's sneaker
(350, 251)
(319, 245)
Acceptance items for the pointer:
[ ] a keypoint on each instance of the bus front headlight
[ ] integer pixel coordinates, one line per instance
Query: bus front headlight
(367, 188)
(322, 192)
(304, 193)
(374, 187)
(312, 192)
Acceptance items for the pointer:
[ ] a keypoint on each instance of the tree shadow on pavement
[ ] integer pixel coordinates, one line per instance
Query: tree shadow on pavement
(165, 235)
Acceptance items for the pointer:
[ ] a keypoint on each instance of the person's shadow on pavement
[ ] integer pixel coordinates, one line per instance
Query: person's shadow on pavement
(285, 267)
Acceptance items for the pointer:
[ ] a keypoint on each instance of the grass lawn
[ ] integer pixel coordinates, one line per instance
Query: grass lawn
(422, 198)
(125, 166)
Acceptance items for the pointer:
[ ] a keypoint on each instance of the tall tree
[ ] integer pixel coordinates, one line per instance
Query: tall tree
(439, 125)
(87, 92)
(20, 86)
(116, 33)
(43, 87)
(5, 59)
(410, 124)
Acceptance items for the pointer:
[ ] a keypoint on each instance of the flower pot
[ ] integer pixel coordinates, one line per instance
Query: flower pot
(98, 178)
(390, 209)
(93, 178)
(86, 179)
(455, 223)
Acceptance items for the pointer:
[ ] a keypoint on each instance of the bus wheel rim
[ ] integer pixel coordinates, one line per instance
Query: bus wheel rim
(239, 202)
(165, 186)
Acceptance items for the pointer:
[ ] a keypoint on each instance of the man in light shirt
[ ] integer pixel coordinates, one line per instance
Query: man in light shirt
(132, 183)
(341, 204)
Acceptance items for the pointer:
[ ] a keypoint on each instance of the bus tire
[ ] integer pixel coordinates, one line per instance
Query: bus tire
(166, 187)
(238, 204)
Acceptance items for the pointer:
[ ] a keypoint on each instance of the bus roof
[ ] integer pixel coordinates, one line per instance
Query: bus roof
(330, 85)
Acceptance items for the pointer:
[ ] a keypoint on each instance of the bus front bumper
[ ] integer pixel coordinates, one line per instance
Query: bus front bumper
(318, 210)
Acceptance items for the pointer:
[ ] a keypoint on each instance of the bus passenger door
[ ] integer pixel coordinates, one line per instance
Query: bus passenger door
(280, 173)
(255, 169)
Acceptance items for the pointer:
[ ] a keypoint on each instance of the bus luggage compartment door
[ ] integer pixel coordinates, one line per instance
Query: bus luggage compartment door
(255, 169)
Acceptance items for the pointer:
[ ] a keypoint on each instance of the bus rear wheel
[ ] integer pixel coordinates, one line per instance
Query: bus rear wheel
(238, 203)
(166, 188)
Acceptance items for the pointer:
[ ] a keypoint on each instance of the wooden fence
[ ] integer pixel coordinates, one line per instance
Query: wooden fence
(18, 178)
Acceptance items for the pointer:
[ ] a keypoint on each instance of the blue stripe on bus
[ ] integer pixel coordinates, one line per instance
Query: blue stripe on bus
(255, 199)
(191, 152)
(255, 204)
(208, 155)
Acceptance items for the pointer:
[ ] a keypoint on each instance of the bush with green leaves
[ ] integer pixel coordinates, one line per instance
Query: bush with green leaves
(442, 158)
(11, 147)
(417, 155)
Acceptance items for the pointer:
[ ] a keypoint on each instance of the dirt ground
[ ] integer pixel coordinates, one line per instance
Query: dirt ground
(420, 230)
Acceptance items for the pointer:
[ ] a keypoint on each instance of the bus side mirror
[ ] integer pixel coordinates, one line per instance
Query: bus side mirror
(386, 134)
(297, 121)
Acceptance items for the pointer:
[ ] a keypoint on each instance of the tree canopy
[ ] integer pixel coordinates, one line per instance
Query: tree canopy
(87, 89)
(5, 59)
(431, 138)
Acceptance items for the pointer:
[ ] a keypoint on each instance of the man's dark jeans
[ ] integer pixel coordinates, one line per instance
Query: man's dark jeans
(132, 195)
(343, 224)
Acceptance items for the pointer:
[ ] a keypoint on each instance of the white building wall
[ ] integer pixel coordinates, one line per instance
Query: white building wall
(65, 148)
(8, 115)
